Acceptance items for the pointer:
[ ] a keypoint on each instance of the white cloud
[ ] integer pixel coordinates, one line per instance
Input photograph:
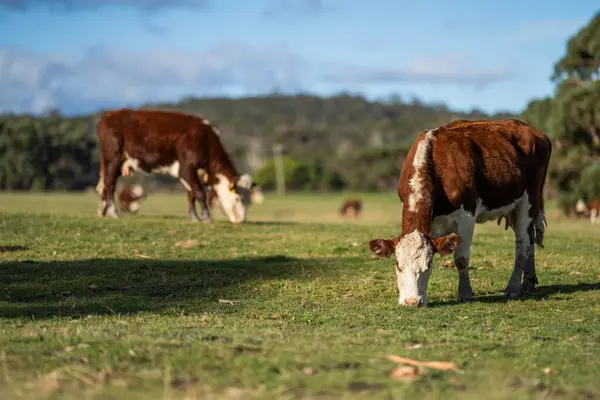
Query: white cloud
(109, 77)
(443, 69)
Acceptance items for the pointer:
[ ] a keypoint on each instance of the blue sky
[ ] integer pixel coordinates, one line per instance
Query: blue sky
(80, 55)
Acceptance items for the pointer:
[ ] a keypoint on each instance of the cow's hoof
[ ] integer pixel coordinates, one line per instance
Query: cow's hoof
(527, 287)
(464, 298)
(208, 221)
(512, 293)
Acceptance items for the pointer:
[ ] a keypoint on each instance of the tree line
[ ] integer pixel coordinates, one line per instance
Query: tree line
(336, 143)
(571, 118)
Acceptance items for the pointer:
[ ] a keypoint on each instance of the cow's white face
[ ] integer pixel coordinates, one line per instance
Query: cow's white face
(414, 258)
(234, 197)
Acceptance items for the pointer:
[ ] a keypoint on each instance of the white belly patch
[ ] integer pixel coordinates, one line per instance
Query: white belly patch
(445, 224)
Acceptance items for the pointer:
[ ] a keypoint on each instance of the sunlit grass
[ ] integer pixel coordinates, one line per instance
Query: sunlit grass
(103, 308)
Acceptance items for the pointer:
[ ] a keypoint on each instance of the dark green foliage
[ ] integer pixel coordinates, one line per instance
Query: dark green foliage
(572, 117)
(299, 175)
(46, 153)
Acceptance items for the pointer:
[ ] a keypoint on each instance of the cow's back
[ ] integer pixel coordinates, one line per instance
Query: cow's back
(155, 138)
(471, 160)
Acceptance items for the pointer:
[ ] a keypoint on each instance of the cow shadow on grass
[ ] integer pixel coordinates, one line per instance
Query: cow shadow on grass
(123, 286)
(543, 292)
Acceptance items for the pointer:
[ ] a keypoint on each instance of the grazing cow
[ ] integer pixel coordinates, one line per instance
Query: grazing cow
(590, 208)
(130, 198)
(463, 173)
(351, 207)
(181, 145)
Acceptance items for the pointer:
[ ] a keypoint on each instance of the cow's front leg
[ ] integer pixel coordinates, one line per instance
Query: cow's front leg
(465, 229)
(192, 214)
(189, 179)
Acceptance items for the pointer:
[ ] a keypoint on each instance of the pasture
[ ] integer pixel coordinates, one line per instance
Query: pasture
(289, 305)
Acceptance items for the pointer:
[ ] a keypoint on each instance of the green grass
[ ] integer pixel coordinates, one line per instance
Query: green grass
(97, 308)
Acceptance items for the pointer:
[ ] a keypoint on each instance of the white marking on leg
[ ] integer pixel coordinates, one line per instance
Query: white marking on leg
(101, 208)
(112, 211)
(134, 206)
(129, 164)
(185, 184)
(417, 179)
(594, 216)
(100, 186)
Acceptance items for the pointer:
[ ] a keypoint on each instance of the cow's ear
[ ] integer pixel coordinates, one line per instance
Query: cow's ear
(382, 247)
(446, 244)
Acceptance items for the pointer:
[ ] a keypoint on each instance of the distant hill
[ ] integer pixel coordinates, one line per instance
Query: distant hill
(344, 139)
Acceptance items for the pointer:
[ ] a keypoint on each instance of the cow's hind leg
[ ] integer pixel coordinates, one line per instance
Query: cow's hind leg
(522, 226)
(192, 214)
(464, 229)
(188, 177)
(106, 188)
(529, 276)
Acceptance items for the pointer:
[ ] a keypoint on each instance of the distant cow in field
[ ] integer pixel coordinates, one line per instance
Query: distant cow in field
(181, 145)
(460, 174)
(351, 207)
(130, 198)
(590, 208)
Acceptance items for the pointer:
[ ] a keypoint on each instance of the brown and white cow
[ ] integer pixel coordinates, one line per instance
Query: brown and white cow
(181, 145)
(460, 174)
(351, 207)
(130, 198)
(589, 208)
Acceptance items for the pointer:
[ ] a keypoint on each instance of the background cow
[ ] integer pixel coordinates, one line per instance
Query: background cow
(463, 173)
(178, 144)
(589, 208)
(130, 198)
(351, 207)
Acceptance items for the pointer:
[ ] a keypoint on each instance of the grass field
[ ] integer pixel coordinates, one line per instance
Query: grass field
(290, 305)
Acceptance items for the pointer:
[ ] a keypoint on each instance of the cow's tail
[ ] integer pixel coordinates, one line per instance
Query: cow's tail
(541, 222)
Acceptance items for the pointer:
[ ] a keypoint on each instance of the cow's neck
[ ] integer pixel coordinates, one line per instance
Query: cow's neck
(419, 219)
(418, 207)
(221, 163)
